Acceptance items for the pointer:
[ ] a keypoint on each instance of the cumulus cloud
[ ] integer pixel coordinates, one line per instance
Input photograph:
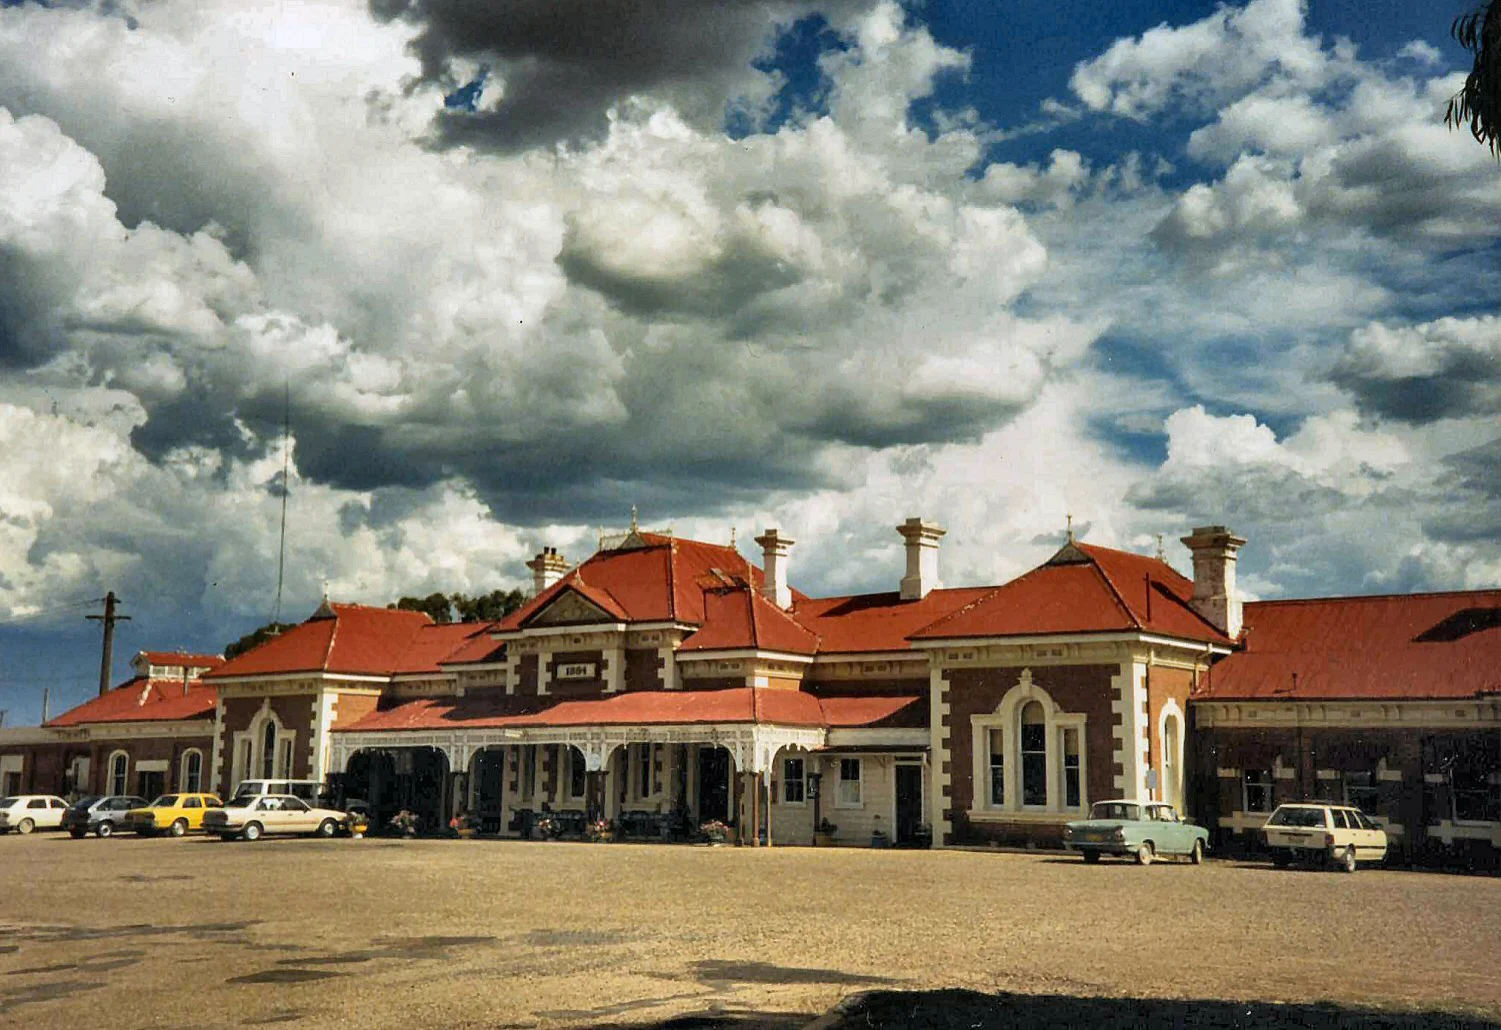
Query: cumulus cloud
(1447, 368)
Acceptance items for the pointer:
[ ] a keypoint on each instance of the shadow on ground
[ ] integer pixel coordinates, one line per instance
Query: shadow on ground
(968, 1010)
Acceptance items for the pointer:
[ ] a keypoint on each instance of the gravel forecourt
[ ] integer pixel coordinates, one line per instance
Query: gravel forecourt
(446, 933)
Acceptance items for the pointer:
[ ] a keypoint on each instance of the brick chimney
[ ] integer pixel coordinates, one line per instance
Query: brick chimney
(1215, 596)
(922, 557)
(547, 568)
(774, 586)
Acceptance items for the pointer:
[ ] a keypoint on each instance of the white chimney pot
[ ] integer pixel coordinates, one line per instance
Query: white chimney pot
(774, 585)
(922, 557)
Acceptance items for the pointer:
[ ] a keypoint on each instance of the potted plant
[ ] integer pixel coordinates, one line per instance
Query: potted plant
(823, 837)
(714, 831)
(546, 828)
(600, 831)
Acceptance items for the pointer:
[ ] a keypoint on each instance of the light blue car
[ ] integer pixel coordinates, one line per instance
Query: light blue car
(1142, 829)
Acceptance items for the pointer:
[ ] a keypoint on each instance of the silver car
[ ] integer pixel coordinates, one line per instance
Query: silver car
(100, 816)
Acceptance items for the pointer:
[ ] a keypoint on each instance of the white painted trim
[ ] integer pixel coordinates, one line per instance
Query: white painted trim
(749, 652)
(1197, 646)
(1240, 822)
(782, 761)
(18, 736)
(1448, 831)
(916, 738)
(852, 657)
(839, 782)
(305, 674)
(152, 765)
(940, 783)
(1172, 793)
(564, 631)
(1388, 712)
(109, 772)
(1006, 718)
(1026, 815)
(182, 771)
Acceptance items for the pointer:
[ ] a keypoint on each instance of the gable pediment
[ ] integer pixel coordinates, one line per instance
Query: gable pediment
(570, 608)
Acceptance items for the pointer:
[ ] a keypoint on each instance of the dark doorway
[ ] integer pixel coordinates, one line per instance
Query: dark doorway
(489, 787)
(713, 784)
(415, 779)
(151, 785)
(908, 802)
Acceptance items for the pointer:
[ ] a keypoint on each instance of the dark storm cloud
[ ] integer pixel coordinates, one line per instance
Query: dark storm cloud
(1251, 492)
(1472, 512)
(1445, 369)
(565, 63)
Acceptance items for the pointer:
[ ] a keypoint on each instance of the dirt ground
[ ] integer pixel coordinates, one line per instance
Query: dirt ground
(199, 933)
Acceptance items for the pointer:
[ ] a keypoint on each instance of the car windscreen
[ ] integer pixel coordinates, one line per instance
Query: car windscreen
(84, 804)
(1297, 817)
(1114, 810)
(250, 789)
(242, 801)
(165, 801)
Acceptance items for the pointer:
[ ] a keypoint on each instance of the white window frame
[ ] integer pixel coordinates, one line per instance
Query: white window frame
(801, 779)
(1270, 785)
(182, 772)
(1007, 718)
(859, 783)
(1172, 788)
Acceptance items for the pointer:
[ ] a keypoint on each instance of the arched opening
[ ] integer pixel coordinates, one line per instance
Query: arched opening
(392, 779)
(1171, 749)
(1034, 754)
(190, 773)
(268, 750)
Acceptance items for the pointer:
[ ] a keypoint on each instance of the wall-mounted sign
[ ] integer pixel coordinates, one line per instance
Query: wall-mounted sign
(576, 671)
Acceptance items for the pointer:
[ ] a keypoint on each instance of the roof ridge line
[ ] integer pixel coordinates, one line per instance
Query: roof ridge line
(672, 581)
(755, 623)
(328, 652)
(1115, 591)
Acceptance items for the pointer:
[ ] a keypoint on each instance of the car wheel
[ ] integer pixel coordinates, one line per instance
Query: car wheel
(104, 829)
(327, 828)
(1347, 860)
(179, 827)
(1091, 857)
(77, 834)
(1196, 856)
(252, 831)
(1145, 854)
(25, 826)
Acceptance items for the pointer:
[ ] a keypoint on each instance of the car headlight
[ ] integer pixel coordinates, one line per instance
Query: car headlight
(1120, 833)
(1068, 831)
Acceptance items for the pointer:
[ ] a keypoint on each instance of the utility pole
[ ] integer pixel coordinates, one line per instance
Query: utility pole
(46, 713)
(109, 618)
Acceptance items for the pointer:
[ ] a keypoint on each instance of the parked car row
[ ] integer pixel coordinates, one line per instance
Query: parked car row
(1336, 835)
(252, 813)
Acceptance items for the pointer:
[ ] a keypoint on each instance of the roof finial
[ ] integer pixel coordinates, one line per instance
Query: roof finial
(1070, 528)
(634, 527)
(732, 537)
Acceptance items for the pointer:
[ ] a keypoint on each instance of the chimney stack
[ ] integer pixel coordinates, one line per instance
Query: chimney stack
(1215, 596)
(547, 568)
(774, 584)
(922, 557)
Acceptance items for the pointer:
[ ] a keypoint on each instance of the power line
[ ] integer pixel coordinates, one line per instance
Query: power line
(51, 611)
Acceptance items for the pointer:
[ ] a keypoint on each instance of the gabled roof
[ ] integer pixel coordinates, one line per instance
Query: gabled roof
(434, 645)
(351, 639)
(491, 710)
(877, 622)
(740, 618)
(479, 647)
(144, 700)
(1083, 589)
(1412, 647)
(655, 579)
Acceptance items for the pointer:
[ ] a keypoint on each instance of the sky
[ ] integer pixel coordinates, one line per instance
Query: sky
(483, 276)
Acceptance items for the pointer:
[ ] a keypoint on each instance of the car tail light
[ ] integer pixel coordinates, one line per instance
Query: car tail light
(1328, 840)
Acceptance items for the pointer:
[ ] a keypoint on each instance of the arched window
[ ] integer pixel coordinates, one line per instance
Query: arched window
(119, 767)
(268, 751)
(1170, 748)
(1034, 752)
(190, 778)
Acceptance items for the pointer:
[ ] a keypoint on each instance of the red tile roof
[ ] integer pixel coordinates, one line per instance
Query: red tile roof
(735, 705)
(143, 700)
(347, 638)
(1410, 646)
(877, 622)
(662, 581)
(1083, 589)
(737, 618)
(480, 647)
(434, 645)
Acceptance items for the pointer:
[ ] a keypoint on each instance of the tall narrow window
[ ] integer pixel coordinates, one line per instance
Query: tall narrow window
(643, 771)
(1170, 760)
(284, 760)
(268, 751)
(1034, 749)
(792, 781)
(192, 772)
(576, 773)
(1072, 788)
(118, 767)
(528, 771)
(997, 768)
(1360, 790)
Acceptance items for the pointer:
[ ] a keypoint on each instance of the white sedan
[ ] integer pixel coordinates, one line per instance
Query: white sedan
(254, 817)
(26, 812)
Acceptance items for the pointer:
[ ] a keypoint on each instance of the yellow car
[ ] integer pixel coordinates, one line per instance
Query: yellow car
(171, 813)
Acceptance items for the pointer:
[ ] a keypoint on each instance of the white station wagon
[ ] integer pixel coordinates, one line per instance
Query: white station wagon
(26, 812)
(1337, 834)
(254, 817)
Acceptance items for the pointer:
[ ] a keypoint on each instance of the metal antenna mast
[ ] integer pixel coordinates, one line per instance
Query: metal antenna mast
(286, 488)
